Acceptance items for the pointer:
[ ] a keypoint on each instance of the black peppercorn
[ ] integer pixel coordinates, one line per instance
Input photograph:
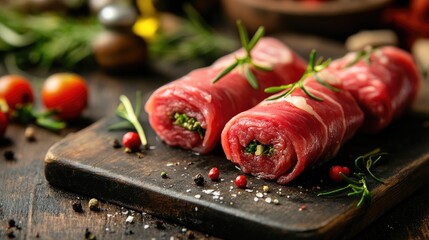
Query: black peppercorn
(159, 224)
(9, 155)
(77, 207)
(12, 223)
(116, 143)
(199, 180)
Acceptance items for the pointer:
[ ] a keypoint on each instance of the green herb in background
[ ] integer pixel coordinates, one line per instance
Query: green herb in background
(45, 40)
(194, 40)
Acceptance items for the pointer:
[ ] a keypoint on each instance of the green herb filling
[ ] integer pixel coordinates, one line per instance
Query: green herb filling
(189, 123)
(258, 149)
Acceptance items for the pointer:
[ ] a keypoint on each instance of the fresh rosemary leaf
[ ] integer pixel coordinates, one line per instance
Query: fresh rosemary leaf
(262, 68)
(251, 78)
(255, 39)
(325, 84)
(50, 124)
(225, 71)
(121, 125)
(246, 61)
(244, 37)
(312, 69)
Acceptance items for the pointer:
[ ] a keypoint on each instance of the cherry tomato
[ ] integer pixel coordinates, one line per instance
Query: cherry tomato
(3, 123)
(335, 171)
(214, 174)
(241, 181)
(132, 141)
(16, 90)
(67, 93)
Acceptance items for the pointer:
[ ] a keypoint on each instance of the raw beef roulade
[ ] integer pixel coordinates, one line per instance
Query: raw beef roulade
(278, 139)
(192, 111)
(384, 83)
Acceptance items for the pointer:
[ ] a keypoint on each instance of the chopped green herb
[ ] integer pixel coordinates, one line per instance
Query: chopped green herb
(189, 123)
(258, 149)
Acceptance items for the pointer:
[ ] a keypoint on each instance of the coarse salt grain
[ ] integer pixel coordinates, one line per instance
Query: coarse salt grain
(130, 219)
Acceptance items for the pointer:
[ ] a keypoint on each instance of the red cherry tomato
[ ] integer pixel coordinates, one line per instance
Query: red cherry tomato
(335, 171)
(241, 181)
(132, 141)
(16, 91)
(214, 174)
(67, 93)
(3, 123)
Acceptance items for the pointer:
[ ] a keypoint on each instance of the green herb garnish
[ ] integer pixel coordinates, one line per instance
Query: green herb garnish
(189, 123)
(357, 184)
(255, 147)
(364, 55)
(25, 114)
(312, 69)
(246, 62)
(45, 40)
(125, 111)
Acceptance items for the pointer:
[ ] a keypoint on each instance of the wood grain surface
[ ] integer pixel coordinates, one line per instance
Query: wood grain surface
(44, 211)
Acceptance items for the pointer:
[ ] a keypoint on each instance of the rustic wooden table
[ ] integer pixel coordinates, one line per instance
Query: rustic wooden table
(45, 212)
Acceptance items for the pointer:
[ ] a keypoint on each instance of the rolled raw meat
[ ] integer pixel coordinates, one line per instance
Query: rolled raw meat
(192, 111)
(384, 82)
(278, 139)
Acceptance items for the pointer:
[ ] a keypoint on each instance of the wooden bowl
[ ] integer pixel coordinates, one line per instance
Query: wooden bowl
(335, 18)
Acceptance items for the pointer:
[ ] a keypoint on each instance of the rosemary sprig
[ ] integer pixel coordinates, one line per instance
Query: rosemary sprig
(246, 62)
(46, 40)
(125, 110)
(357, 185)
(364, 55)
(312, 69)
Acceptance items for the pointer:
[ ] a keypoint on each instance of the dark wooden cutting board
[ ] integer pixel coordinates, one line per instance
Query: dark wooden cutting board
(85, 162)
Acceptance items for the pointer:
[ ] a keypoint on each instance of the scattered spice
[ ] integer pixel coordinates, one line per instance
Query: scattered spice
(199, 179)
(159, 224)
(140, 155)
(302, 207)
(190, 234)
(131, 140)
(77, 207)
(130, 219)
(89, 235)
(29, 134)
(164, 175)
(129, 232)
(94, 204)
(334, 173)
(214, 174)
(9, 155)
(266, 188)
(241, 181)
(11, 223)
(116, 144)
